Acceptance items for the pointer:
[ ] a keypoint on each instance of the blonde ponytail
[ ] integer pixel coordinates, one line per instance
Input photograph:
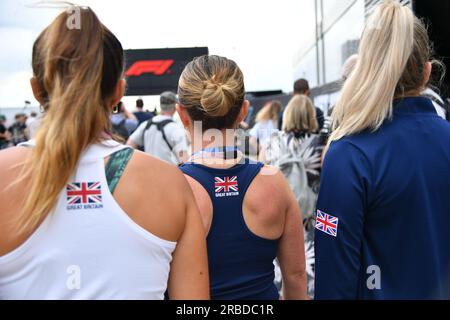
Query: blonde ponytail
(386, 47)
(70, 65)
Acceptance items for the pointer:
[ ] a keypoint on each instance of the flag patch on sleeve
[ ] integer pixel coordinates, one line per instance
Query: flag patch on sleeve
(327, 223)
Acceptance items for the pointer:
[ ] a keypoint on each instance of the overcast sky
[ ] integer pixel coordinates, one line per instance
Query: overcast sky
(262, 36)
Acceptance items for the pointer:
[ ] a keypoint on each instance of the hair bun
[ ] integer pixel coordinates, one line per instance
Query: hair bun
(217, 99)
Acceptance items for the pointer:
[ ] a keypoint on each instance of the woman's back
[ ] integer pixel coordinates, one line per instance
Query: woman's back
(70, 230)
(244, 231)
(392, 189)
(383, 209)
(306, 148)
(89, 247)
(299, 157)
(248, 211)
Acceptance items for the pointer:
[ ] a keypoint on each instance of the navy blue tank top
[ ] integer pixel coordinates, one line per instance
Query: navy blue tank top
(240, 263)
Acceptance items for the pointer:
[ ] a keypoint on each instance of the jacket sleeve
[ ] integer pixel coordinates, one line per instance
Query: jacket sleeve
(343, 195)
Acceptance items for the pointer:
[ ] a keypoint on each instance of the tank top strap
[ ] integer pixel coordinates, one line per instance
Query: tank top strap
(96, 151)
(115, 167)
(28, 144)
(101, 150)
(200, 174)
(246, 176)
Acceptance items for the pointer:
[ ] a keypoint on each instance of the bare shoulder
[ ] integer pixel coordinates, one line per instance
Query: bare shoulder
(271, 181)
(269, 191)
(203, 201)
(155, 194)
(11, 165)
(154, 173)
(12, 156)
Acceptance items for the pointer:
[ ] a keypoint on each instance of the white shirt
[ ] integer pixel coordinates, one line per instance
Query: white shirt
(439, 110)
(30, 120)
(33, 127)
(88, 247)
(153, 141)
(263, 131)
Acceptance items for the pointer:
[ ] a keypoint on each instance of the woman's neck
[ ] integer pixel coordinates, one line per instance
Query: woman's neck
(213, 139)
(409, 94)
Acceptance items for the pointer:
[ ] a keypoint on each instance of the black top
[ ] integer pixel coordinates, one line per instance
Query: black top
(2, 131)
(143, 116)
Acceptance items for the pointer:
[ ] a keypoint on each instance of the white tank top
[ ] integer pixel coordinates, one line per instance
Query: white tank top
(88, 247)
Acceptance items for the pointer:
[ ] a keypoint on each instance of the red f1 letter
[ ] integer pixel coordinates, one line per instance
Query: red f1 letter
(156, 67)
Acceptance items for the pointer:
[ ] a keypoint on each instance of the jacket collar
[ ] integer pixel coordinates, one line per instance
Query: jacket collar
(414, 105)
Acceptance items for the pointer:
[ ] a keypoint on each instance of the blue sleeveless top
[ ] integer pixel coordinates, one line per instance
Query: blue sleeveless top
(240, 263)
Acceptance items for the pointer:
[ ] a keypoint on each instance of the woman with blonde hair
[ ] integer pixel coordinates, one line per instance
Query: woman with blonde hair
(245, 232)
(297, 152)
(266, 123)
(383, 208)
(81, 216)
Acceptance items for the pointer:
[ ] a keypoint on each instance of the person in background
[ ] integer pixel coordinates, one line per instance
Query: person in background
(348, 67)
(161, 136)
(297, 152)
(81, 216)
(246, 232)
(383, 208)
(249, 117)
(18, 129)
(301, 87)
(4, 138)
(140, 114)
(31, 118)
(33, 123)
(123, 121)
(266, 124)
(442, 108)
(33, 128)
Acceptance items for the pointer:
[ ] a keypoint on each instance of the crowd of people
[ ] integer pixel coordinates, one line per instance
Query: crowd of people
(19, 131)
(160, 136)
(122, 205)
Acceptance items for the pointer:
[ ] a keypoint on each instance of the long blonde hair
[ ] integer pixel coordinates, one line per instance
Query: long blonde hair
(78, 71)
(300, 116)
(392, 57)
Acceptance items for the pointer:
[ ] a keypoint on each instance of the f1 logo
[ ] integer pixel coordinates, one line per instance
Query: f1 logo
(156, 67)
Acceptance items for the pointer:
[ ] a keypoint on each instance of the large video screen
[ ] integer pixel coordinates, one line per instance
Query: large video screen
(153, 71)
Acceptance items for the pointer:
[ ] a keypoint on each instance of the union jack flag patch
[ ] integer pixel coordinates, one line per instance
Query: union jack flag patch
(227, 186)
(84, 195)
(327, 223)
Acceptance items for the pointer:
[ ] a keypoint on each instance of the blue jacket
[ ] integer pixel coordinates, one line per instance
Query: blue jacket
(386, 197)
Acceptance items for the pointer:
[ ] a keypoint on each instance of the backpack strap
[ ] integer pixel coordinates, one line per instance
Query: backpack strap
(148, 125)
(116, 166)
(160, 126)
